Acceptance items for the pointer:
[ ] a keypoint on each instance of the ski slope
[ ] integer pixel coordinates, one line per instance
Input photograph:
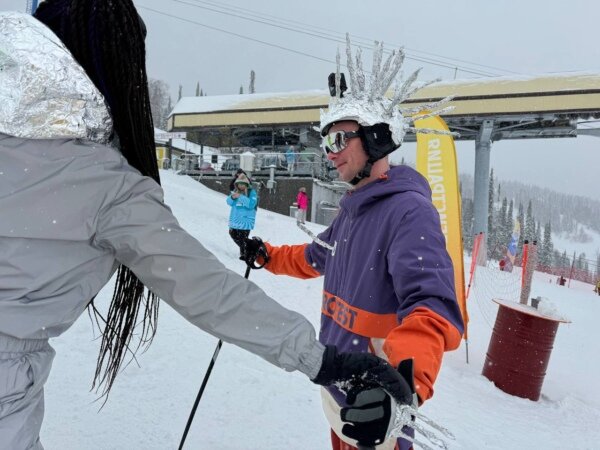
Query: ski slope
(250, 404)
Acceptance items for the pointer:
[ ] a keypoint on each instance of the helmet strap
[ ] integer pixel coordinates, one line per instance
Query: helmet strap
(365, 172)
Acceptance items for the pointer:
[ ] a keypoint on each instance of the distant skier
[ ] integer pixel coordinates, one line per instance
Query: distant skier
(243, 201)
(302, 202)
(80, 199)
(290, 158)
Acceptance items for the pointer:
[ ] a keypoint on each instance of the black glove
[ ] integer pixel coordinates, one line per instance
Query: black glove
(254, 248)
(364, 371)
(372, 411)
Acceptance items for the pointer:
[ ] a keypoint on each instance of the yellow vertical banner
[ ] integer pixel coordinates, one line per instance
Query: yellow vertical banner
(436, 161)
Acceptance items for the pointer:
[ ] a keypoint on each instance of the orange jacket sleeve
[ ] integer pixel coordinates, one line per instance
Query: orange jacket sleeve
(290, 260)
(424, 336)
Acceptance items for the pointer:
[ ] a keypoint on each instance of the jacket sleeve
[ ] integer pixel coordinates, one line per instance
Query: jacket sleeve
(144, 235)
(290, 260)
(428, 313)
(300, 261)
(248, 202)
(230, 201)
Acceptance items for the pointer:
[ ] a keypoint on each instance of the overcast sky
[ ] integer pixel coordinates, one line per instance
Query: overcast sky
(189, 41)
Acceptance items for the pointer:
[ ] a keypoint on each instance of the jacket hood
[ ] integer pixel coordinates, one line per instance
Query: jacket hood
(398, 179)
(44, 92)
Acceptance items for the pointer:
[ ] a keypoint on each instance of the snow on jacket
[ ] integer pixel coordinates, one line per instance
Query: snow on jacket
(243, 210)
(389, 287)
(302, 200)
(71, 210)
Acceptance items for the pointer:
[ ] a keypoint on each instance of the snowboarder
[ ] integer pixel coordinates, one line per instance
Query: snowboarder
(80, 199)
(388, 279)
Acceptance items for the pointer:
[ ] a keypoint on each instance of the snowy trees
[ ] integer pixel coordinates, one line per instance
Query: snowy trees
(547, 247)
(252, 81)
(529, 226)
(160, 102)
(546, 212)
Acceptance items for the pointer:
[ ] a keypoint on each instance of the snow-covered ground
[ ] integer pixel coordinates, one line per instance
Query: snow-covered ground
(250, 404)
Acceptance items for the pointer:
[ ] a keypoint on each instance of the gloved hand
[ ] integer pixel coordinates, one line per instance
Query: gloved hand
(371, 415)
(376, 387)
(364, 370)
(253, 249)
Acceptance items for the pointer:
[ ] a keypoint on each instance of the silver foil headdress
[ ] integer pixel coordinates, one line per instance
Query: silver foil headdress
(370, 103)
(44, 92)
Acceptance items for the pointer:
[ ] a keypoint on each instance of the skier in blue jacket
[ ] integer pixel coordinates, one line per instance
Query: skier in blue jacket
(243, 201)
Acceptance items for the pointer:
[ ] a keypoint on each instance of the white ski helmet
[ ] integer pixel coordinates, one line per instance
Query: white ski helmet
(383, 124)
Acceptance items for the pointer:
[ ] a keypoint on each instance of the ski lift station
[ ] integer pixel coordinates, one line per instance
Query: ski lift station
(485, 110)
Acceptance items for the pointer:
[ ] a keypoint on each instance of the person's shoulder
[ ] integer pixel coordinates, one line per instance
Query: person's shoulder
(79, 152)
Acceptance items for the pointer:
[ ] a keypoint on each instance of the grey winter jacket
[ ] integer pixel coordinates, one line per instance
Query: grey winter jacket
(71, 210)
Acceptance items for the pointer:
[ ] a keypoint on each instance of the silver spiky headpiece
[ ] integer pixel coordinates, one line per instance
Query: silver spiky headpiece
(368, 104)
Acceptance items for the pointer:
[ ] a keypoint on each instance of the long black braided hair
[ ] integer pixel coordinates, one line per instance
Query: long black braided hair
(107, 38)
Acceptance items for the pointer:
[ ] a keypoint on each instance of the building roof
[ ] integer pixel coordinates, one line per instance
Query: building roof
(530, 106)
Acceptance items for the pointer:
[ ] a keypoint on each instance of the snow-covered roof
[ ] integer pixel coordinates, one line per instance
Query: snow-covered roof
(547, 103)
(183, 144)
(514, 85)
(195, 105)
(317, 98)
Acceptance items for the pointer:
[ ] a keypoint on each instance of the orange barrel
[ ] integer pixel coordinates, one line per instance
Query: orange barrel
(520, 349)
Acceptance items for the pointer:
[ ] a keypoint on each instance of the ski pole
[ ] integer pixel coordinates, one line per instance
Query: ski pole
(204, 382)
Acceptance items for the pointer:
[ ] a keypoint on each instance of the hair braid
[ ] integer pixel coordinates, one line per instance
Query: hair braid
(107, 39)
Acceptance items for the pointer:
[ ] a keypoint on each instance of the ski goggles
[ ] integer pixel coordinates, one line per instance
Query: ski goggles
(337, 141)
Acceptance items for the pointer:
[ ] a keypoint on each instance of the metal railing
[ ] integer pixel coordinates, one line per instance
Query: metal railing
(306, 164)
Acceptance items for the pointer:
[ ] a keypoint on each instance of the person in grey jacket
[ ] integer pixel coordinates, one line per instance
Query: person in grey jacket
(80, 200)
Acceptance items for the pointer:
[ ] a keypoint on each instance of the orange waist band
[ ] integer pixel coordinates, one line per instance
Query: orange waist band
(357, 320)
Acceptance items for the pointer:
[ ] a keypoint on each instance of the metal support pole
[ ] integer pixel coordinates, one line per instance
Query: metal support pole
(483, 145)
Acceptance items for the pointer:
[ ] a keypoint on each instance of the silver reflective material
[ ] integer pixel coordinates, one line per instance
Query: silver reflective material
(44, 92)
(367, 101)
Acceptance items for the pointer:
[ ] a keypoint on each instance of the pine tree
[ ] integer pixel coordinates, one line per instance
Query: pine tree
(556, 259)
(197, 89)
(241, 89)
(160, 104)
(202, 94)
(467, 223)
(501, 223)
(169, 107)
(180, 92)
(564, 260)
(529, 224)
(521, 219)
(252, 81)
(547, 250)
(491, 237)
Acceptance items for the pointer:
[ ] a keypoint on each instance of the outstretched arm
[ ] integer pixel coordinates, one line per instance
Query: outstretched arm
(290, 260)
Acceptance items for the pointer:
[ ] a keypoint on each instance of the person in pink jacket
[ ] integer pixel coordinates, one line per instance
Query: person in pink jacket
(302, 202)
